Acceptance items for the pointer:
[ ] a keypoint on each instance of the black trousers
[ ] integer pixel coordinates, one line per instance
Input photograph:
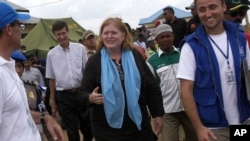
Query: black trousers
(71, 111)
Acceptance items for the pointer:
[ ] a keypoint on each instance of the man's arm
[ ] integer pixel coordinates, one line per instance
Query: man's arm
(189, 102)
(53, 127)
(52, 100)
(203, 133)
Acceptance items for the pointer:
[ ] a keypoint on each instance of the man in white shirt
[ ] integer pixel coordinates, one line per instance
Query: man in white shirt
(16, 120)
(64, 68)
(140, 43)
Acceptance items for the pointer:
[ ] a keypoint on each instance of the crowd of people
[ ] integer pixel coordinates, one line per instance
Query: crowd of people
(116, 86)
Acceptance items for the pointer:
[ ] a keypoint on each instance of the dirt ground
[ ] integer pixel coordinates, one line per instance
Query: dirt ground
(160, 139)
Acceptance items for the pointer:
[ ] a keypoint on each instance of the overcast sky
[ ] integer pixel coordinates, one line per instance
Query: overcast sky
(91, 13)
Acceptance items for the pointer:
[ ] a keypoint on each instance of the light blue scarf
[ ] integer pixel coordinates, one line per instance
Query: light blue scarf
(114, 101)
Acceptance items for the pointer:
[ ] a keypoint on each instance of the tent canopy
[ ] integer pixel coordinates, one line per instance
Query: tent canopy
(41, 38)
(178, 13)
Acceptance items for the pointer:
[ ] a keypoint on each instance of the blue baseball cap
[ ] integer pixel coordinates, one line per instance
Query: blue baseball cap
(9, 15)
(18, 56)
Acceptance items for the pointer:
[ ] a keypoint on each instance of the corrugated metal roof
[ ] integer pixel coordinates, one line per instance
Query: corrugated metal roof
(32, 20)
(178, 13)
(18, 8)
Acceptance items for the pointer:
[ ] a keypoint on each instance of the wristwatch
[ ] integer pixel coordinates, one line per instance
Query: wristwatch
(42, 117)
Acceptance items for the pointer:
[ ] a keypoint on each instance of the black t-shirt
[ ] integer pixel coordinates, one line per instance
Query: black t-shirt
(179, 27)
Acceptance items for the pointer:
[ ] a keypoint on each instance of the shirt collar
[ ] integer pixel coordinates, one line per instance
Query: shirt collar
(10, 63)
(64, 49)
(4, 61)
(160, 52)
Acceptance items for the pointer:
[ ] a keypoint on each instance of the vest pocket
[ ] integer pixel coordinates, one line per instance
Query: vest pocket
(208, 110)
(203, 77)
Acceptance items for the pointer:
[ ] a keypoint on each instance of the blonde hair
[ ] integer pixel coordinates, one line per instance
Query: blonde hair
(117, 22)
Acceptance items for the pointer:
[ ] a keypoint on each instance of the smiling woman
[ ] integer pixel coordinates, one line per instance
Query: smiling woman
(118, 87)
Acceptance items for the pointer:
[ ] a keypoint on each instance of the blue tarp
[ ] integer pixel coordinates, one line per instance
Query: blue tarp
(178, 13)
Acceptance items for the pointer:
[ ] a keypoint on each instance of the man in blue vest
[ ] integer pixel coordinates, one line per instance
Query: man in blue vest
(210, 73)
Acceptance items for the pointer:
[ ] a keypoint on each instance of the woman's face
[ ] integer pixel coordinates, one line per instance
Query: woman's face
(112, 36)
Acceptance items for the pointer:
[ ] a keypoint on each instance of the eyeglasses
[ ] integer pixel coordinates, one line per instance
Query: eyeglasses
(236, 13)
(20, 25)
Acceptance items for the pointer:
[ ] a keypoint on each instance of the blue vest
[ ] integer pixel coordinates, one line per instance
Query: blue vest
(207, 85)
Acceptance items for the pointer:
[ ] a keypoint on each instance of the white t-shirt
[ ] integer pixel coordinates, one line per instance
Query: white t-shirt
(14, 124)
(140, 44)
(187, 67)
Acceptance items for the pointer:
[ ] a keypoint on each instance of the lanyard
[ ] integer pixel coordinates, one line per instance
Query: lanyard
(225, 55)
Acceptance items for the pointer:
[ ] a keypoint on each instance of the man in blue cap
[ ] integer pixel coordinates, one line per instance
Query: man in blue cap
(19, 58)
(17, 122)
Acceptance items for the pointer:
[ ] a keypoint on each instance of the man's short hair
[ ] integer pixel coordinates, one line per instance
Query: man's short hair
(58, 25)
(222, 2)
(169, 9)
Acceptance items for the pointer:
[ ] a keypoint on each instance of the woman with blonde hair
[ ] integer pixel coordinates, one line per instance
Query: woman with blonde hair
(118, 87)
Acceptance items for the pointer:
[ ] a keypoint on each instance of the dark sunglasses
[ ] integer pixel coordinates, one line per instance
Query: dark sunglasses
(238, 12)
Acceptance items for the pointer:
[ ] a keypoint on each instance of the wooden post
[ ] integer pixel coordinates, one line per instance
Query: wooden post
(247, 27)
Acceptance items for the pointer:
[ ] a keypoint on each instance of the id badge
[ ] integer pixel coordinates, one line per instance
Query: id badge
(32, 124)
(230, 77)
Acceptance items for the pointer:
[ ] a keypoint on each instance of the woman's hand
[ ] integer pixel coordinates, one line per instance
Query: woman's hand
(95, 97)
